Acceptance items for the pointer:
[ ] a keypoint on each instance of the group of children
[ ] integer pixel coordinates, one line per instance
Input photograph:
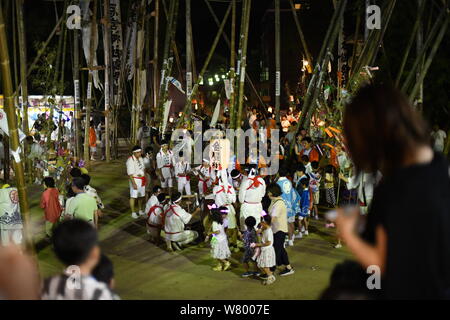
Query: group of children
(80, 201)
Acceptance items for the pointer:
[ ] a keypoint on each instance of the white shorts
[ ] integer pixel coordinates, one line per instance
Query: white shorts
(167, 183)
(139, 192)
(291, 219)
(316, 197)
(93, 149)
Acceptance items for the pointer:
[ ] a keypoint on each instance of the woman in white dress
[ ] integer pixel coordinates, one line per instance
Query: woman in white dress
(266, 258)
(219, 242)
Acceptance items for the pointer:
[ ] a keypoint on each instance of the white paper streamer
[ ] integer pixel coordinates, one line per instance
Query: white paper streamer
(215, 114)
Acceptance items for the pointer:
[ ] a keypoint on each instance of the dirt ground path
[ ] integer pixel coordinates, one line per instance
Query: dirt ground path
(144, 271)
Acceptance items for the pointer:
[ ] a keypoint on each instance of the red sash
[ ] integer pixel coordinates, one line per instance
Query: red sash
(144, 180)
(255, 182)
(152, 211)
(223, 190)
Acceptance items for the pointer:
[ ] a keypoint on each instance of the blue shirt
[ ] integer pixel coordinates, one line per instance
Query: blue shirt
(290, 196)
(304, 203)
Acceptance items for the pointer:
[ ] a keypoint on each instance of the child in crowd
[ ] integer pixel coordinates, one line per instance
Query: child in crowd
(291, 200)
(329, 192)
(104, 272)
(329, 186)
(153, 199)
(155, 220)
(314, 184)
(300, 172)
(248, 237)
(93, 193)
(76, 245)
(219, 242)
(50, 204)
(304, 205)
(266, 258)
(307, 164)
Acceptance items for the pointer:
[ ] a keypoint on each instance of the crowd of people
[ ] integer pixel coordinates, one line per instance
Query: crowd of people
(241, 211)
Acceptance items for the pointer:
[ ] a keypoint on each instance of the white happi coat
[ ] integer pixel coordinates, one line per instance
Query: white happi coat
(203, 183)
(155, 216)
(151, 202)
(176, 219)
(135, 168)
(225, 195)
(251, 196)
(164, 161)
(182, 168)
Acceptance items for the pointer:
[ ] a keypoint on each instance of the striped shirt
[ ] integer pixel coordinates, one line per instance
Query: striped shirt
(64, 287)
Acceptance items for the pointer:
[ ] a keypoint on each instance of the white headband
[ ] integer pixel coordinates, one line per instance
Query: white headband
(138, 150)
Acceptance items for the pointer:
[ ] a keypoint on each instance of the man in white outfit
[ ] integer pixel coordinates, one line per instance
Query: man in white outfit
(175, 220)
(182, 169)
(206, 176)
(136, 174)
(251, 192)
(164, 163)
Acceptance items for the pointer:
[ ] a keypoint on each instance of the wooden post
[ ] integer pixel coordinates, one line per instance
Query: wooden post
(188, 104)
(244, 36)
(300, 33)
(108, 82)
(188, 51)
(167, 42)
(410, 42)
(277, 61)
(76, 121)
(13, 133)
(90, 85)
(23, 65)
(227, 41)
(429, 59)
(155, 57)
(233, 65)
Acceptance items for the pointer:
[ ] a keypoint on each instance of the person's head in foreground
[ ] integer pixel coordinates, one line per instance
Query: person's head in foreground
(104, 271)
(75, 243)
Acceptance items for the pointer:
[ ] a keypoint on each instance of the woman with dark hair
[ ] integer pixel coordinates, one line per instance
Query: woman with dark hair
(407, 234)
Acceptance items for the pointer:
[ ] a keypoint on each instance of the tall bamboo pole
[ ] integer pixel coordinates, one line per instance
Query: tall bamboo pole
(23, 65)
(108, 82)
(14, 37)
(355, 40)
(422, 53)
(187, 107)
(188, 50)
(13, 132)
(244, 35)
(300, 33)
(410, 42)
(76, 121)
(233, 65)
(42, 49)
(277, 60)
(320, 68)
(155, 57)
(89, 95)
(430, 57)
(227, 41)
(165, 61)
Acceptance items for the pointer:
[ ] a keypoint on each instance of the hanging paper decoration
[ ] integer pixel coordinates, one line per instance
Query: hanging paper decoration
(86, 36)
(215, 116)
(166, 114)
(116, 46)
(176, 83)
(228, 88)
